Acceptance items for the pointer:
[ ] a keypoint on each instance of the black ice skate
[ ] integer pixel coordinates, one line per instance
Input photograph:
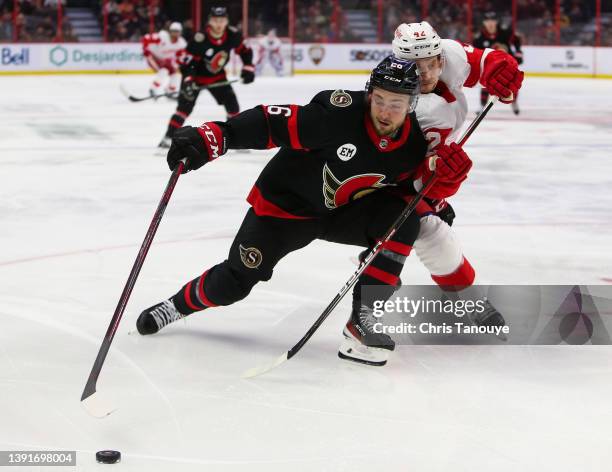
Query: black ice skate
(361, 343)
(489, 317)
(156, 317)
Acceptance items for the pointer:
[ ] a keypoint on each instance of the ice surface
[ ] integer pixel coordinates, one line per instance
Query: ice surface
(79, 182)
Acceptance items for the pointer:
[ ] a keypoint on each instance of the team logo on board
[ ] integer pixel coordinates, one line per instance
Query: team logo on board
(251, 257)
(340, 98)
(316, 52)
(337, 193)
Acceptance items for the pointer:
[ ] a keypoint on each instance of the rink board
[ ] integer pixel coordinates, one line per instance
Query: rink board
(308, 58)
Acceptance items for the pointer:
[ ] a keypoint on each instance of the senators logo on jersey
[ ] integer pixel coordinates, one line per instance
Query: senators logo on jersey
(217, 63)
(339, 193)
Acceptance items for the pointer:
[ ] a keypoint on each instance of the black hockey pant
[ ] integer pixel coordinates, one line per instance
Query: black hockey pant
(262, 242)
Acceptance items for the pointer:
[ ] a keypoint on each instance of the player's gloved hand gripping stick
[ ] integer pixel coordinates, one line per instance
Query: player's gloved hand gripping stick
(93, 403)
(428, 184)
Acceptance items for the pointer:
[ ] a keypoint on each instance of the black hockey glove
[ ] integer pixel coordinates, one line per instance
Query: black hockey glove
(442, 209)
(248, 74)
(189, 89)
(447, 214)
(198, 145)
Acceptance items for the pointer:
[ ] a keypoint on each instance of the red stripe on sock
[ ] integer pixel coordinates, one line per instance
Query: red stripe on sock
(463, 277)
(201, 293)
(175, 124)
(399, 248)
(187, 296)
(381, 275)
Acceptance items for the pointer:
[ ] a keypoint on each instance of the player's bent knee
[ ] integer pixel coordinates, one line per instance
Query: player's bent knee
(226, 285)
(437, 246)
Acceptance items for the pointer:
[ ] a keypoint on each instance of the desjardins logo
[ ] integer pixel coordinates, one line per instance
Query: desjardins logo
(58, 55)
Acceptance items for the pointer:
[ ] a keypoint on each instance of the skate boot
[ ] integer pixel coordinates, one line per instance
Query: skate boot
(489, 317)
(361, 343)
(165, 143)
(156, 317)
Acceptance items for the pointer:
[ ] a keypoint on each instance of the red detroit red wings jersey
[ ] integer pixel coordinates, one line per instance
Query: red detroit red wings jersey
(329, 154)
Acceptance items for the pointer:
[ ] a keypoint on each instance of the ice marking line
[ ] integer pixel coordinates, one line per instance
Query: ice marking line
(111, 248)
(228, 235)
(553, 120)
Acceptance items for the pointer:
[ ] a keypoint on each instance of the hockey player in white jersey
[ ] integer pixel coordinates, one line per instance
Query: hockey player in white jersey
(161, 51)
(445, 67)
(267, 49)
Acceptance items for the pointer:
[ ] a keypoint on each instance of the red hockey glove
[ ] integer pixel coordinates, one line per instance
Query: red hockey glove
(452, 164)
(501, 76)
(198, 145)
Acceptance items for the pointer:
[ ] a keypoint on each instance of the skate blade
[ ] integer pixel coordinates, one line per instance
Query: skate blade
(352, 350)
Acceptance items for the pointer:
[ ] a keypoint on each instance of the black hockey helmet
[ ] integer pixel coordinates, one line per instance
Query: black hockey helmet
(217, 11)
(398, 76)
(490, 15)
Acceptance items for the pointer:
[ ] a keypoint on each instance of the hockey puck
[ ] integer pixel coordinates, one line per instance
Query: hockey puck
(108, 457)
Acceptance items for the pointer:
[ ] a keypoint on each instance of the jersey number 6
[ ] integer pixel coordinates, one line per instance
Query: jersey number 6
(276, 110)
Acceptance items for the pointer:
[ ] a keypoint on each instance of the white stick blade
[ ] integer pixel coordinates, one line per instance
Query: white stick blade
(124, 91)
(97, 406)
(255, 371)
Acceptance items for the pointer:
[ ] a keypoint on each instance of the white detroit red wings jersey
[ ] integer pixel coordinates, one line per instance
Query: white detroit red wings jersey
(442, 112)
(161, 47)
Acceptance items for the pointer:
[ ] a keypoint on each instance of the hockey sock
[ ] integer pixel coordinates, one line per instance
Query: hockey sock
(383, 271)
(458, 280)
(176, 122)
(192, 297)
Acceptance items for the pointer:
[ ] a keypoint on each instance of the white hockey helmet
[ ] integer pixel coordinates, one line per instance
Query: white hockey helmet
(176, 26)
(416, 41)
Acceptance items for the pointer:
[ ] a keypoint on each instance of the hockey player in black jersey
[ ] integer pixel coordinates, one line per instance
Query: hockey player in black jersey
(203, 63)
(344, 170)
(495, 37)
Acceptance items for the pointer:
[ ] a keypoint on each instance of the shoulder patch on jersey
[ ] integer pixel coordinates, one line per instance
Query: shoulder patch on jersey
(233, 29)
(198, 37)
(340, 98)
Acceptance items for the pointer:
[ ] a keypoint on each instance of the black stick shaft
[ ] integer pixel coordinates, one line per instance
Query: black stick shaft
(406, 212)
(176, 94)
(90, 387)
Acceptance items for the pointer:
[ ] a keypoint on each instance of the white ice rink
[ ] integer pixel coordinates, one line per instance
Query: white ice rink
(79, 182)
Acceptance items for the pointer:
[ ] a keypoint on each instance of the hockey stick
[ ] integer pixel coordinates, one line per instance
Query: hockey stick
(254, 372)
(91, 400)
(133, 98)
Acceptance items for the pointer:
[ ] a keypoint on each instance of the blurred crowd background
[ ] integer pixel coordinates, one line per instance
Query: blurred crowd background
(538, 22)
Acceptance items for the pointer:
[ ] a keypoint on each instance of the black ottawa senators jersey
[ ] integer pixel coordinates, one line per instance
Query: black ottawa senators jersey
(206, 57)
(329, 154)
(502, 39)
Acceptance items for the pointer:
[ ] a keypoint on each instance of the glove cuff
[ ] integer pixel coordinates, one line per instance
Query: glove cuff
(214, 139)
